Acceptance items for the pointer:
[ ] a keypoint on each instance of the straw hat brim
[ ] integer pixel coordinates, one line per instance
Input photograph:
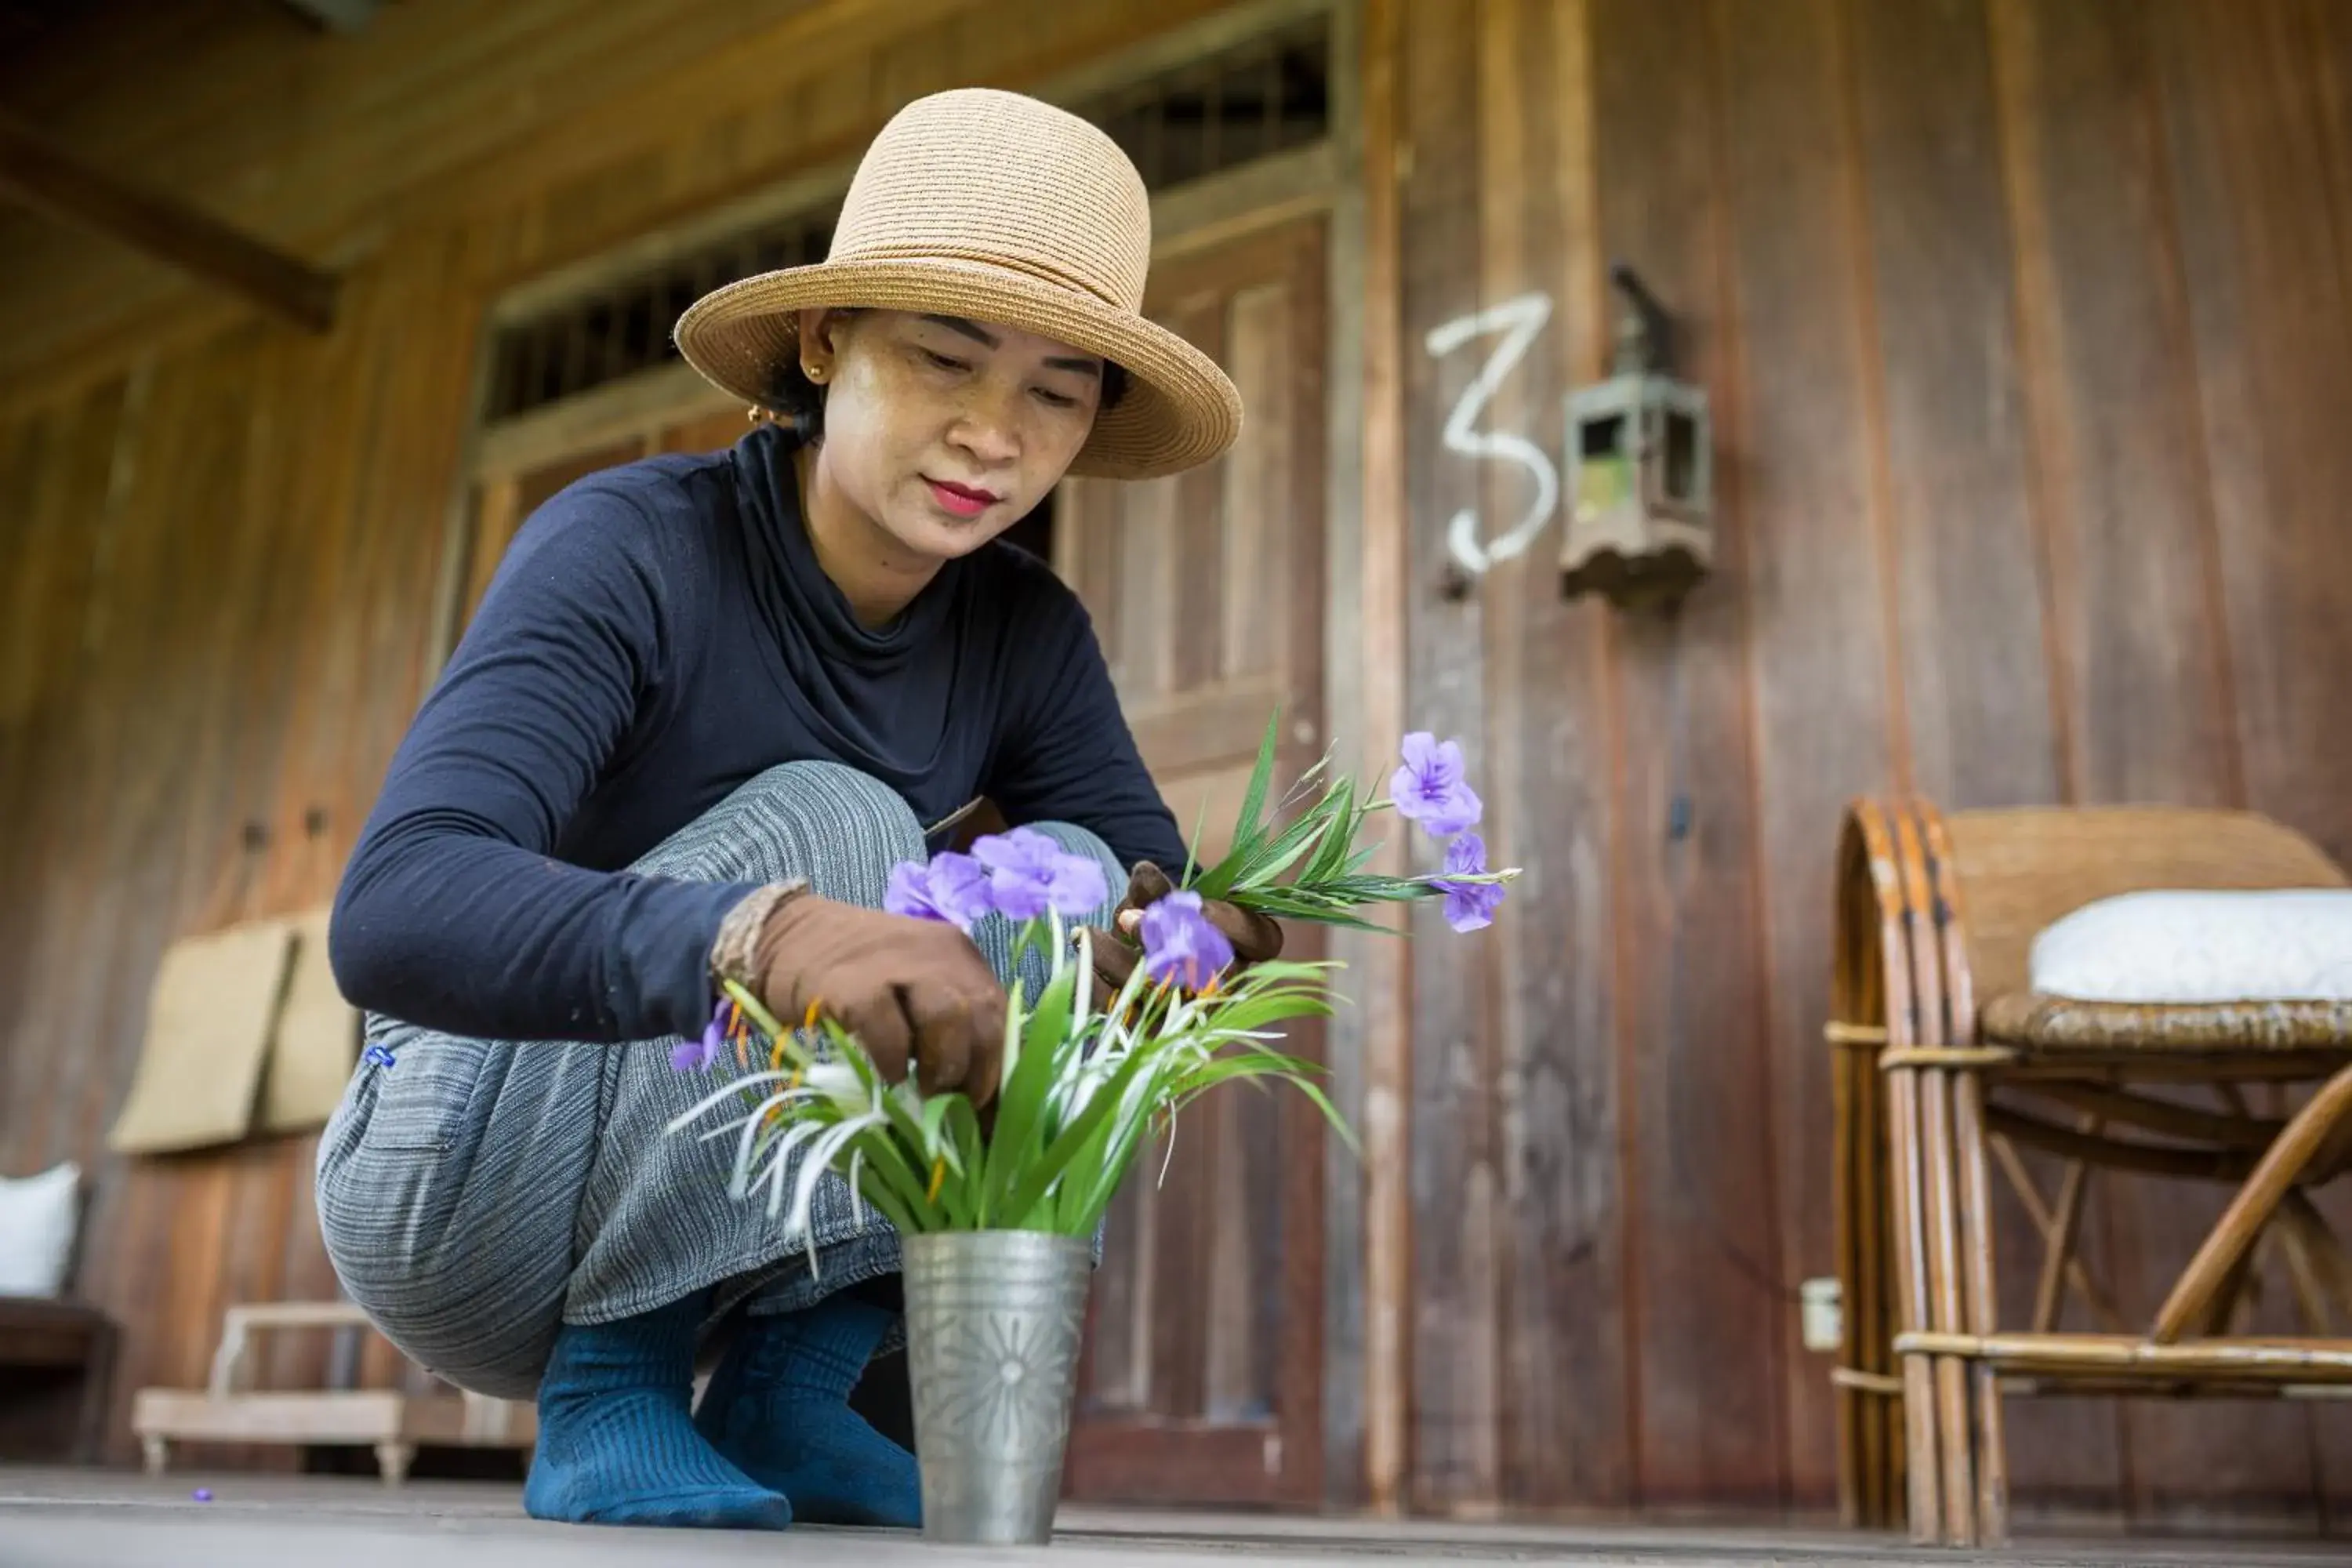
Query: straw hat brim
(1179, 409)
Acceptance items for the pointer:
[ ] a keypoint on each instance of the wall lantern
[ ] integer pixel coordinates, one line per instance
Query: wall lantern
(1640, 471)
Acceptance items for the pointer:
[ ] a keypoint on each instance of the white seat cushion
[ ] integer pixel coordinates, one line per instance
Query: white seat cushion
(2283, 945)
(38, 1216)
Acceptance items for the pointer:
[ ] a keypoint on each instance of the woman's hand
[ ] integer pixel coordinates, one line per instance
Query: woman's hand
(1254, 938)
(909, 990)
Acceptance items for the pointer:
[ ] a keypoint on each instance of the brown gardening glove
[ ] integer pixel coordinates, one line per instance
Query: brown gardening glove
(1255, 938)
(910, 990)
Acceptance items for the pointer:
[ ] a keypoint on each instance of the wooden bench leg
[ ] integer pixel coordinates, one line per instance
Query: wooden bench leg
(1946, 1286)
(96, 1398)
(393, 1459)
(156, 1454)
(1923, 1468)
(1983, 1311)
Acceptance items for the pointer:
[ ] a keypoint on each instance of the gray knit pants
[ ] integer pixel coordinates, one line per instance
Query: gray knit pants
(477, 1195)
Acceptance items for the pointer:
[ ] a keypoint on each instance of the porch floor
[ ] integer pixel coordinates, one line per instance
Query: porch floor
(74, 1518)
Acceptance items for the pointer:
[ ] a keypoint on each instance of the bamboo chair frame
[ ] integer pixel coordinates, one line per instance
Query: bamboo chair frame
(1926, 1106)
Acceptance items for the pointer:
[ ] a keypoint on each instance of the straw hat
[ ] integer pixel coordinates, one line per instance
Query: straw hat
(1000, 208)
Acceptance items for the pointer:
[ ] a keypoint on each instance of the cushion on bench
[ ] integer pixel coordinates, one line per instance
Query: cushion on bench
(2289, 944)
(2192, 971)
(37, 1218)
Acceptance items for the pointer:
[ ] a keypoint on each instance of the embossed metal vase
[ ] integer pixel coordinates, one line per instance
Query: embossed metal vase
(993, 1320)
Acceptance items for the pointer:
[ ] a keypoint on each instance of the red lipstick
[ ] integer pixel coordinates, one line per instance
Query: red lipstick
(961, 500)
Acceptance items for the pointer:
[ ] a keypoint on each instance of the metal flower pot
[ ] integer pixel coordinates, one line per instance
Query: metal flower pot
(993, 1320)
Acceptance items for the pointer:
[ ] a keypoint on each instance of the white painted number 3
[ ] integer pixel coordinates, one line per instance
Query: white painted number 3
(1520, 321)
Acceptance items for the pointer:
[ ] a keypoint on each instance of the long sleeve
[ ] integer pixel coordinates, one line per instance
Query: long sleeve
(454, 912)
(1074, 759)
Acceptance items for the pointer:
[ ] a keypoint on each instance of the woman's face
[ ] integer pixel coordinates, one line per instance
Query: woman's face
(944, 431)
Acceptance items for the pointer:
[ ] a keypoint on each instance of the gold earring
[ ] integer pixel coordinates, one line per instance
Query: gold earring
(814, 372)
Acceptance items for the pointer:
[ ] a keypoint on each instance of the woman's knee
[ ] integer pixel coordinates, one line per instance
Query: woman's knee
(841, 797)
(472, 1293)
(841, 829)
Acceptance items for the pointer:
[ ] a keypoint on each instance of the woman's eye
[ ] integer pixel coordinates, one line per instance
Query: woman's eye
(945, 362)
(1053, 399)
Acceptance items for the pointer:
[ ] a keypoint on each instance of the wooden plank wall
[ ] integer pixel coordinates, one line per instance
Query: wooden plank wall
(220, 541)
(2025, 322)
(2025, 325)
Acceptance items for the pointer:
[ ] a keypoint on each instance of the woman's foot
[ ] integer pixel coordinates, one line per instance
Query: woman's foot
(617, 1442)
(778, 1408)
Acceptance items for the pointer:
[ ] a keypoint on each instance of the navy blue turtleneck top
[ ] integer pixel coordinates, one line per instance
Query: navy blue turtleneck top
(657, 634)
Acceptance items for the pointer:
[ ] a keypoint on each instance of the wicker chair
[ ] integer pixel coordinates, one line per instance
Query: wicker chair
(1947, 1063)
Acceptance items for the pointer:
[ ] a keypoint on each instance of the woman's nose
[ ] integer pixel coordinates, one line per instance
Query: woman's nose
(988, 428)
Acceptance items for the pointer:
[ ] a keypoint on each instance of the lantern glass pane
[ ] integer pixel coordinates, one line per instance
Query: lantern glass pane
(1681, 455)
(1604, 473)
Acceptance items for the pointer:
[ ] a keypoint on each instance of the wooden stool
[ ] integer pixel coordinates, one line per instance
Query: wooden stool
(393, 1424)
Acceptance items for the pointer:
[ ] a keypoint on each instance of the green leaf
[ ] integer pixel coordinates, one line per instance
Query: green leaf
(1023, 1096)
(904, 1122)
(888, 1163)
(1295, 839)
(1219, 880)
(880, 1197)
(961, 1190)
(1286, 903)
(1261, 775)
(1332, 854)
(1104, 1161)
(752, 1005)
(1057, 1155)
(1330, 1114)
(1192, 845)
(934, 1116)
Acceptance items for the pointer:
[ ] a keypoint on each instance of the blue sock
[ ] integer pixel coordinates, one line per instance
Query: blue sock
(778, 1406)
(616, 1443)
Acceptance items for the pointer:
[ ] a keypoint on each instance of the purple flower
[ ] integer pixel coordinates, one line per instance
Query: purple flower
(1179, 944)
(696, 1056)
(1429, 789)
(1469, 905)
(953, 888)
(1028, 874)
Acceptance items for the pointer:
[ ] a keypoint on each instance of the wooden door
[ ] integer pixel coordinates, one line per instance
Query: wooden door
(1203, 1382)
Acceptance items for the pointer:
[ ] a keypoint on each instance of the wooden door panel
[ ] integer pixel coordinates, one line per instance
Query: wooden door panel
(1211, 798)
(705, 433)
(1204, 1356)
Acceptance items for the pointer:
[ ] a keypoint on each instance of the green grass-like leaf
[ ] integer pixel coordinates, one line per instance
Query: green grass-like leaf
(1021, 1097)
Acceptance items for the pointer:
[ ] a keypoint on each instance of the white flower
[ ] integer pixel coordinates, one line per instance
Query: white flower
(839, 1082)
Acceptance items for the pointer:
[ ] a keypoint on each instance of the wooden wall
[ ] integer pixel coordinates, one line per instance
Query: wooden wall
(2025, 324)
(222, 542)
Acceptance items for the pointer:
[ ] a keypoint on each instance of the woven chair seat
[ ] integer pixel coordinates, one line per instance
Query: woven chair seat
(2060, 1025)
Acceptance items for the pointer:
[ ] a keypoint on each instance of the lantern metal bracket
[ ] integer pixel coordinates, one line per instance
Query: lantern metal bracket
(1646, 333)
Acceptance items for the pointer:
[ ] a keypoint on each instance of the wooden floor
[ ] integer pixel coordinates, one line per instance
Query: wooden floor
(64, 1519)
